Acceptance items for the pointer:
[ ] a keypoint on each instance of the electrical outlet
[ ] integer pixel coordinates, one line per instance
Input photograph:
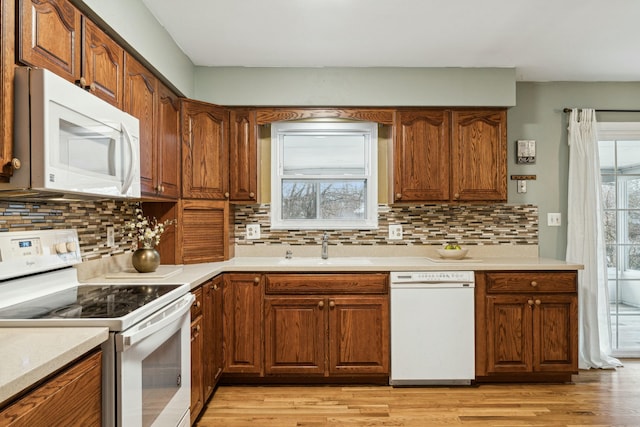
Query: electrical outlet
(111, 237)
(395, 232)
(554, 219)
(522, 186)
(253, 231)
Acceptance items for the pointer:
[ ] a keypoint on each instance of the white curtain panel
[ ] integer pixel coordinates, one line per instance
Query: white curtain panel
(585, 241)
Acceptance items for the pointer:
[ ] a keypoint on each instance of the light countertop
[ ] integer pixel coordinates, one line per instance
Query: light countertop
(29, 354)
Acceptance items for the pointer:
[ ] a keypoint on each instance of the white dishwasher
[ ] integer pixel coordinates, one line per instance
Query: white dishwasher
(432, 328)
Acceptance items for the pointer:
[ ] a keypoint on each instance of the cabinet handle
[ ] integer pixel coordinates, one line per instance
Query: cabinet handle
(538, 302)
(332, 304)
(226, 195)
(321, 305)
(534, 283)
(16, 163)
(398, 195)
(252, 194)
(530, 302)
(256, 280)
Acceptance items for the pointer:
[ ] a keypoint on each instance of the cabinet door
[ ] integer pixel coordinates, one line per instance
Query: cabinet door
(479, 155)
(243, 156)
(295, 335)
(213, 361)
(197, 392)
(421, 156)
(102, 64)
(168, 144)
(203, 231)
(140, 96)
(49, 36)
(243, 295)
(555, 332)
(509, 333)
(205, 152)
(7, 66)
(359, 335)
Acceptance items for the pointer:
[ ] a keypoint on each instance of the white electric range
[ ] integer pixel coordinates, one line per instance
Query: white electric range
(146, 360)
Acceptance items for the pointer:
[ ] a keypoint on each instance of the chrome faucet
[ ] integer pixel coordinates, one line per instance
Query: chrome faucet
(325, 246)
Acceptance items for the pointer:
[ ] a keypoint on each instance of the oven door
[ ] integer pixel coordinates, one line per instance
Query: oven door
(153, 366)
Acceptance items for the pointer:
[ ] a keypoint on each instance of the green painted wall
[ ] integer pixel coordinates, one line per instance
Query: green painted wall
(538, 115)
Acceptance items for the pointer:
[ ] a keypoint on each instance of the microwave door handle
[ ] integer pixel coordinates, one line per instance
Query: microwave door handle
(134, 159)
(166, 316)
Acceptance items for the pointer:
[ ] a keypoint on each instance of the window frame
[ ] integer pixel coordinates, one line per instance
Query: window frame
(279, 130)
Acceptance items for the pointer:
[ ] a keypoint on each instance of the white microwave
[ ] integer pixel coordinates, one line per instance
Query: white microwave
(69, 143)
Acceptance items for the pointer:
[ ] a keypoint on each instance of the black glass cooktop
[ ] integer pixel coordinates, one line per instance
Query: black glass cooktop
(88, 301)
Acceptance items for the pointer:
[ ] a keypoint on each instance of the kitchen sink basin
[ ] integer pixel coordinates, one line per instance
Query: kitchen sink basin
(311, 261)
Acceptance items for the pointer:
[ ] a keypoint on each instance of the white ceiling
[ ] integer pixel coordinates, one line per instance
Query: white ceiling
(544, 40)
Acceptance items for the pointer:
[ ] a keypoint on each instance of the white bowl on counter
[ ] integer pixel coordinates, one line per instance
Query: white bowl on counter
(453, 253)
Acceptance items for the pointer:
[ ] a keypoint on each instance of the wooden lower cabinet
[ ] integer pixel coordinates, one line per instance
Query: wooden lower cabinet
(316, 327)
(197, 380)
(526, 326)
(72, 397)
(213, 360)
(326, 335)
(243, 295)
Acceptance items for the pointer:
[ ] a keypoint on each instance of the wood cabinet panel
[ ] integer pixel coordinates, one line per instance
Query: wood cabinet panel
(243, 156)
(526, 282)
(269, 115)
(168, 145)
(49, 36)
(140, 96)
(243, 300)
(203, 231)
(327, 283)
(295, 335)
(555, 329)
(359, 335)
(72, 397)
(509, 326)
(213, 334)
(197, 387)
(102, 64)
(205, 151)
(479, 155)
(421, 155)
(7, 66)
(196, 306)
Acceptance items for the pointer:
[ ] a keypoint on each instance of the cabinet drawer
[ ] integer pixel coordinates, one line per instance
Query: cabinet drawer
(330, 283)
(543, 281)
(196, 307)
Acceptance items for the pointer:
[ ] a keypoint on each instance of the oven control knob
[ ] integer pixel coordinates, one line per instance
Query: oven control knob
(61, 247)
(71, 246)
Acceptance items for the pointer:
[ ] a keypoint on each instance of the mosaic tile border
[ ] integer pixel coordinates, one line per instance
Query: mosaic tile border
(425, 224)
(89, 218)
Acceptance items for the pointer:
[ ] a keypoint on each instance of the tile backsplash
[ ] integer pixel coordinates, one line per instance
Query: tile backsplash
(423, 224)
(89, 218)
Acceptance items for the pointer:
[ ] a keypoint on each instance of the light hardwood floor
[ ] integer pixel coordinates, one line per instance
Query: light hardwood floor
(596, 398)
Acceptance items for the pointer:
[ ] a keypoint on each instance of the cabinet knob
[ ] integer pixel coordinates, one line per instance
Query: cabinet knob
(398, 195)
(256, 280)
(321, 305)
(197, 328)
(332, 304)
(456, 196)
(534, 283)
(226, 195)
(196, 304)
(92, 87)
(215, 287)
(252, 194)
(16, 163)
(530, 302)
(538, 302)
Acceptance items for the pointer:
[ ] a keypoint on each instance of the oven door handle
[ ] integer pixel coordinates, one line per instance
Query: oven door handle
(154, 323)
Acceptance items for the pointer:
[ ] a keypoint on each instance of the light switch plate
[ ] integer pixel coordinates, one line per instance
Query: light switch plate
(395, 232)
(111, 238)
(253, 231)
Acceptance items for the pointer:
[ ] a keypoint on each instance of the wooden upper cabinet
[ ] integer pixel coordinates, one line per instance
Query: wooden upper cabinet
(243, 156)
(7, 61)
(421, 156)
(479, 155)
(49, 32)
(140, 95)
(205, 151)
(167, 183)
(102, 64)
